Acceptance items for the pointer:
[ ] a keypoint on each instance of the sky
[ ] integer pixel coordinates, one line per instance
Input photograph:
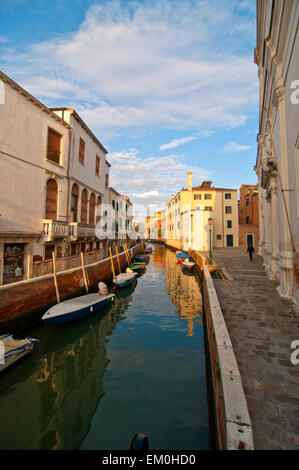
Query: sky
(167, 86)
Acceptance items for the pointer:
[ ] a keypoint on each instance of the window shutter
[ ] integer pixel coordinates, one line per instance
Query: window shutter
(54, 145)
(81, 151)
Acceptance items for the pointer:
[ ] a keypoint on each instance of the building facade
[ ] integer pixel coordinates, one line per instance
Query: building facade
(54, 174)
(248, 215)
(202, 217)
(277, 165)
(154, 226)
(120, 221)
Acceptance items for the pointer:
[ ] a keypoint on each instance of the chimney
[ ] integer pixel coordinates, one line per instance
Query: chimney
(189, 180)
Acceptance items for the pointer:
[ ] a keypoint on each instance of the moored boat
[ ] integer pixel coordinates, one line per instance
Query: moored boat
(77, 308)
(124, 279)
(135, 268)
(182, 254)
(141, 258)
(188, 264)
(12, 350)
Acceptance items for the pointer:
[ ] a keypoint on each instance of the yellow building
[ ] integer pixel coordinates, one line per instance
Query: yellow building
(197, 213)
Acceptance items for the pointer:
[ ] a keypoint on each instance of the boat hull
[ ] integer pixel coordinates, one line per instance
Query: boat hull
(125, 279)
(78, 314)
(188, 266)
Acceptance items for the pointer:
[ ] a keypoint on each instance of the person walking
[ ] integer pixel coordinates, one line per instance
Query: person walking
(250, 250)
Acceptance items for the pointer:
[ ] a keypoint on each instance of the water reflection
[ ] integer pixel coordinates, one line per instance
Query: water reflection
(61, 390)
(183, 289)
(137, 366)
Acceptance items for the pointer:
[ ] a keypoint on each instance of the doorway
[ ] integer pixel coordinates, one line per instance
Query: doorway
(249, 239)
(229, 240)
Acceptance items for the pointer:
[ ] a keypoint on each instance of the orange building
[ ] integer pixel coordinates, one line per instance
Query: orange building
(248, 215)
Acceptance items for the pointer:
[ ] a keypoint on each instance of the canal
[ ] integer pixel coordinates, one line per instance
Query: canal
(137, 366)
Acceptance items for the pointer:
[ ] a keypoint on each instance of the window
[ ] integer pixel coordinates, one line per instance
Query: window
(92, 207)
(54, 146)
(247, 202)
(208, 208)
(48, 251)
(98, 165)
(74, 203)
(84, 203)
(229, 224)
(51, 199)
(81, 151)
(228, 209)
(98, 210)
(113, 203)
(197, 197)
(106, 182)
(247, 220)
(227, 196)
(208, 196)
(219, 237)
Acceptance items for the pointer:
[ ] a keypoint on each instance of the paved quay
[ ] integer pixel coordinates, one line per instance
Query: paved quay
(262, 326)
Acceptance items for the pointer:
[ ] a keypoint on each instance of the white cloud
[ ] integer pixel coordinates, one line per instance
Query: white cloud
(152, 180)
(147, 194)
(176, 142)
(235, 147)
(174, 64)
(184, 140)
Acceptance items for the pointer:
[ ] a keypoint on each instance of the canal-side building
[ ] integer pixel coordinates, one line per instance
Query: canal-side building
(277, 164)
(120, 221)
(198, 214)
(248, 207)
(54, 173)
(154, 226)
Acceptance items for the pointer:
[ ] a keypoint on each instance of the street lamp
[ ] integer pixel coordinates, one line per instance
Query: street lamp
(210, 220)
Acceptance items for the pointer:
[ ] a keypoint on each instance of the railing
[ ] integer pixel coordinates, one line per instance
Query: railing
(79, 230)
(53, 229)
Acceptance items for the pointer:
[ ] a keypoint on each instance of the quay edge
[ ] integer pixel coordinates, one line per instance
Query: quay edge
(231, 420)
(23, 303)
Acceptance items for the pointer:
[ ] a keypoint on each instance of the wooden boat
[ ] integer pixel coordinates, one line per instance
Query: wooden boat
(77, 308)
(12, 350)
(188, 264)
(124, 279)
(138, 268)
(141, 258)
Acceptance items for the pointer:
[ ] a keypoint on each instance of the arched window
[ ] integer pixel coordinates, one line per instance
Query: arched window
(51, 199)
(74, 203)
(84, 198)
(92, 206)
(99, 202)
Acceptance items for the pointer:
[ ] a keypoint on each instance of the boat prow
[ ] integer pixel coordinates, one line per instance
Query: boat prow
(12, 350)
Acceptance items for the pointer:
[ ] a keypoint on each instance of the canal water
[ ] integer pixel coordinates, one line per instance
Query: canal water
(137, 366)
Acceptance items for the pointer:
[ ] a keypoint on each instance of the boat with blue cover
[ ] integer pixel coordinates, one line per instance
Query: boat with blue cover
(182, 254)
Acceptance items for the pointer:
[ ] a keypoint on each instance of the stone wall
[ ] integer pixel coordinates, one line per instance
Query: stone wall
(232, 421)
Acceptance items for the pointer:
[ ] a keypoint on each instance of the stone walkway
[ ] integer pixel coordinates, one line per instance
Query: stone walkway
(262, 326)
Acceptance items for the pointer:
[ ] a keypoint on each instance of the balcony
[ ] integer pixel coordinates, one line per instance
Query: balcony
(79, 231)
(55, 229)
